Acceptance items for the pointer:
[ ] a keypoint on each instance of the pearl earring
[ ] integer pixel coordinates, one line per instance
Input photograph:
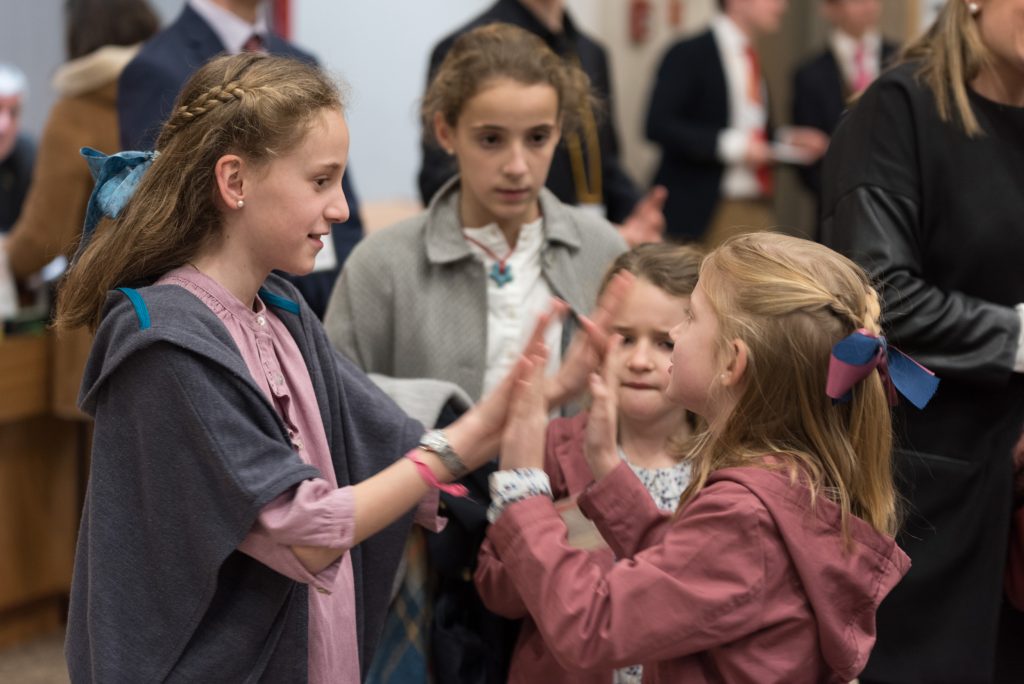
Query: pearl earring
(240, 203)
(973, 8)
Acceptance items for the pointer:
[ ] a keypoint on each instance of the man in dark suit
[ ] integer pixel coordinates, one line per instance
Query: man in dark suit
(150, 84)
(823, 85)
(17, 151)
(710, 115)
(596, 177)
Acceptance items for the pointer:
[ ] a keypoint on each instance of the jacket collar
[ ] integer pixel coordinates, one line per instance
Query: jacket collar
(443, 233)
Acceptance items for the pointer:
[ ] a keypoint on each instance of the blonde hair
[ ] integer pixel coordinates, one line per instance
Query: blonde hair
(253, 105)
(951, 54)
(499, 51)
(790, 300)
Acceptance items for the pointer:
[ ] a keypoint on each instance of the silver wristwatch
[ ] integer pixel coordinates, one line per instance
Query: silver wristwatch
(435, 441)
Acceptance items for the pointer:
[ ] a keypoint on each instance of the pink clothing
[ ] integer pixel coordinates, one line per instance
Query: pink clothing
(316, 512)
(532, 660)
(747, 584)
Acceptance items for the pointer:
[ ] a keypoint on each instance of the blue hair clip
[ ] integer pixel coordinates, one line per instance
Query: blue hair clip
(117, 176)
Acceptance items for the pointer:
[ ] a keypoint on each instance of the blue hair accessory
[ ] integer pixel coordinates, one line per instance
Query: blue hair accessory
(117, 176)
(854, 358)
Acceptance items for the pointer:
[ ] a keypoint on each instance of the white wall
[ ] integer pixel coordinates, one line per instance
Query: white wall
(381, 49)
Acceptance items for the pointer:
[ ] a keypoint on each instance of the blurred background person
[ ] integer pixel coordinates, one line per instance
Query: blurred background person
(710, 114)
(151, 82)
(922, 186)
(102, 36)
(824, 84)
(586, 169)
(16, 150)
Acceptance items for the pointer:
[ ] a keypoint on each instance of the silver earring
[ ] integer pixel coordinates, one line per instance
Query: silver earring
(240, 203)
(973, 8)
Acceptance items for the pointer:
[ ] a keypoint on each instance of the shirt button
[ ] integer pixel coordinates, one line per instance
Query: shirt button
(321, 590)
(261, 319)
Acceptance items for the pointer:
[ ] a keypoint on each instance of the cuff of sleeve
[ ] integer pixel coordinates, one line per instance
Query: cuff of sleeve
(732, 145)
(510, 486)
(1018, 363)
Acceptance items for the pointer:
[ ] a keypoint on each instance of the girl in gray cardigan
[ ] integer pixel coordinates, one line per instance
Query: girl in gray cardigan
(452, 293)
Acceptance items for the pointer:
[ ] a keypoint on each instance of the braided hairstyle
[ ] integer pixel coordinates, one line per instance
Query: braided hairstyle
(790, 301)
(254, 105)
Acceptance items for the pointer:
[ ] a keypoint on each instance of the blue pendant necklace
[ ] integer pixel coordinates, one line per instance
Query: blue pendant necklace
(501, 271)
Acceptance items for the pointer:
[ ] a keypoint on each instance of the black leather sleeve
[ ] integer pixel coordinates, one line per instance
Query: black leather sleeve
(952, 333)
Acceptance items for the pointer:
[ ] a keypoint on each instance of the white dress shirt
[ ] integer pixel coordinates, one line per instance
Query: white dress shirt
(513, 308)
(232, 30)
(745, 116)
(844, 47)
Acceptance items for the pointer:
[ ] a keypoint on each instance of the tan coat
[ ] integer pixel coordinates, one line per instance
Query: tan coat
(51, 218)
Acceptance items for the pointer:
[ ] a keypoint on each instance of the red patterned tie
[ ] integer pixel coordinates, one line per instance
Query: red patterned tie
(765, 180)
(254, 44)
(861, 77)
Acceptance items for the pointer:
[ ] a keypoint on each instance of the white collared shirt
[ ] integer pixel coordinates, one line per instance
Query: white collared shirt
(513, 308)
(745, 117)
(844, 47)
(232, 30)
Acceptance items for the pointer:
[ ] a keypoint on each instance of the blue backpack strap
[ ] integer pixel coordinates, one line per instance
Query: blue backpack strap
(279, 302)
(140, 306)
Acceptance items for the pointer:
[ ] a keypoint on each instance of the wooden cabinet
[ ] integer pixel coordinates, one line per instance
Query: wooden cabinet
(40, 492)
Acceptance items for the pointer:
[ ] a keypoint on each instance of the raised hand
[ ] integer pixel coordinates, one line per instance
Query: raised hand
(600, 445)
(586, 351)
(647, 221)
(522, 444)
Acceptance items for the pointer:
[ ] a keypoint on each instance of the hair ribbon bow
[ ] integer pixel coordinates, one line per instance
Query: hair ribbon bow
(117, 176)
(854, 358)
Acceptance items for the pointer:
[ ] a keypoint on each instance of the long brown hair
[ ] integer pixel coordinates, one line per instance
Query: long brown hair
(253, 105)
(951, 53)
(790, 300)
(503, 51)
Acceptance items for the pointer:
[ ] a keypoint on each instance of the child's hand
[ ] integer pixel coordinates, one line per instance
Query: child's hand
(586, 352)
(522, 444)
(600, 445)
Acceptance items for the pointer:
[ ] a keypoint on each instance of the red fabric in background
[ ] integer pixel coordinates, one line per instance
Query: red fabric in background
(281, 18)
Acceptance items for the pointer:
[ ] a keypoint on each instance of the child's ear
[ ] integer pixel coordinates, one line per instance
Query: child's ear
(229, 174)
(736, 366)
(444, 133)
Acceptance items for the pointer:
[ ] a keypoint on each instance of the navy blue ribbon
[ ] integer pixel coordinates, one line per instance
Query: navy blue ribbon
(855, 356)
(117, 176)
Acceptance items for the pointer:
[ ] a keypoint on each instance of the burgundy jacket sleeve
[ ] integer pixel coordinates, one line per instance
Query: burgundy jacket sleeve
(492, 582)
(710, 567)
(624, 512)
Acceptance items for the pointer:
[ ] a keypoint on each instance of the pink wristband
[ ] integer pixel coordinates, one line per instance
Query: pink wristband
(428, 476)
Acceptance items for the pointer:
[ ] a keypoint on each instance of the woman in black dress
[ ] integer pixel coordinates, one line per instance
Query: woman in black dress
(924, 187)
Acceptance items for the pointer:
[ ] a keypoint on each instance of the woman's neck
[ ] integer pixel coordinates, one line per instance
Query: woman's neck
(645, 443)
(1000, 83)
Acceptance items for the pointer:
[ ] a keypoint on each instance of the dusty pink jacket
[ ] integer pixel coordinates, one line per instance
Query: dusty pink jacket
(747, 584)
(532, 660)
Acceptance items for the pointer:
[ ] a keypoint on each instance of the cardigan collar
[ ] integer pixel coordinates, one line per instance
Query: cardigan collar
(443, 234)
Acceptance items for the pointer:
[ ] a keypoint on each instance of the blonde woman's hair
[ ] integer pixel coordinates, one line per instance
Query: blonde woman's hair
(253, 105)
(951, 54)
(498, 51)
(790, 300)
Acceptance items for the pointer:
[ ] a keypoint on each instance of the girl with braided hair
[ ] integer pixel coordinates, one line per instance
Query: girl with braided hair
(773, 565)
(247, 503)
